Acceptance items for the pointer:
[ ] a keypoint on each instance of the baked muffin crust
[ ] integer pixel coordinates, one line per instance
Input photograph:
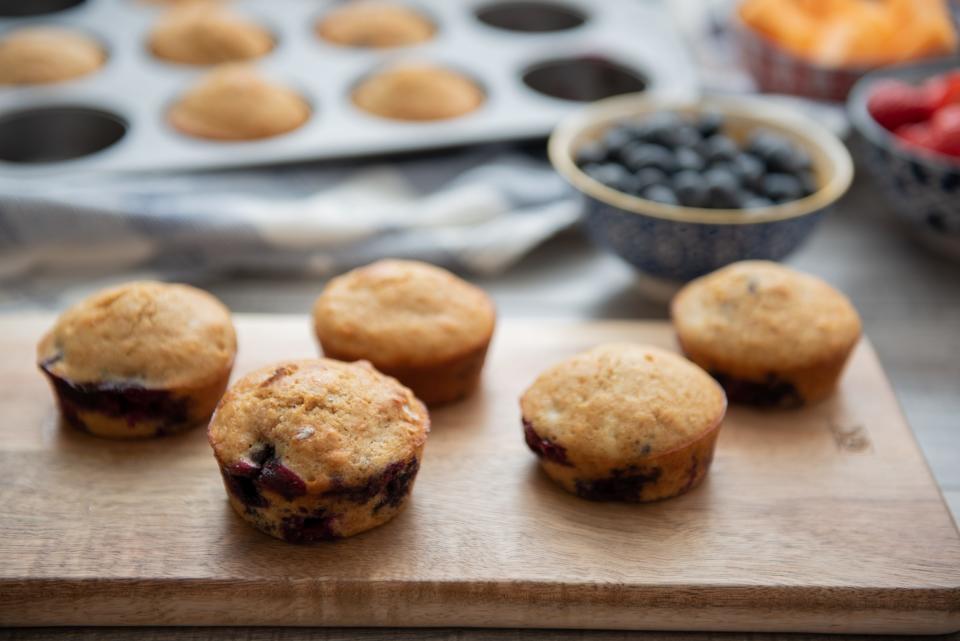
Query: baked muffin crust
(318, 439)
(418, 91)
(374, 24)
(206, 34)
(758, 325)
(406, 312)
(154, 334)
(234, 102)
(40, 55)
(624, 421)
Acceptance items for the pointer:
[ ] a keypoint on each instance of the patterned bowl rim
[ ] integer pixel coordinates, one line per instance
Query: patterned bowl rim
(879, 135)
(601, 115)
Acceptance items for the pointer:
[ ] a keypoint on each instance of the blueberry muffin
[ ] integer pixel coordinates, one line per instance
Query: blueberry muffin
(770, 335)
(374, 24)
(417, 92)
(41, 55)
(315, 450)
(142, 359)
(624, 422)
(234, 102)
(413, 321)
(206, 34)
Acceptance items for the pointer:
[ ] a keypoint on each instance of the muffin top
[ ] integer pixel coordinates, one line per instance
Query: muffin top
(417, 92)
(205, 34)
(403, 313)
(153, 334)
(374, 24)
(759, 314)
(234, 102)
(621, 403)
(37, 55)
(327, 422)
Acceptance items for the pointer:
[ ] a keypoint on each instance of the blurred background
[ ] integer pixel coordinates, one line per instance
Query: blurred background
(257, 148)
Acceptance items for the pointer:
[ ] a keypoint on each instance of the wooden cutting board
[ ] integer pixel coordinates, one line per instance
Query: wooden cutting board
(826, 519)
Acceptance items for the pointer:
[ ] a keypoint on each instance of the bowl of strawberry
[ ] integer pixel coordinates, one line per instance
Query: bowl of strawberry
(908, 119)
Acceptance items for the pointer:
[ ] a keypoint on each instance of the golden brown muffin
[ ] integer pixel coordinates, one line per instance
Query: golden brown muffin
(40, 55)
(315, 450)
(624, 422)
(234, 102)
(418, 92)
(413, 321)
(770, 335)
(206, 34)
(142, 359)
(374, 24)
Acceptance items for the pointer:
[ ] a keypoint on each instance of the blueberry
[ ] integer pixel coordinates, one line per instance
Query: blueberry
(640, 155)
(660, 194)
(649, 176)
(591, 153)
(808, 182)
(690, 188)
(770, 147)
(610, 174)
(709, 124)
(719, 148)
(723, 189)
(782, 187)
(685, 158)
(616, 138)
(787, 158)
(666, 128)
(750, 170)
(754, 201)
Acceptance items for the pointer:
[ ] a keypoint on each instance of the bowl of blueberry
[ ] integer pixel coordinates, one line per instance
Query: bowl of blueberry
(908, 121)
(679, 189)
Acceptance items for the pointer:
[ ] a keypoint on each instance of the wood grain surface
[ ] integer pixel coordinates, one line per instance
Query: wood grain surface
(825, 520)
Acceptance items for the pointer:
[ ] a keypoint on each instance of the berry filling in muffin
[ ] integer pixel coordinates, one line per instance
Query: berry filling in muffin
(770, 392)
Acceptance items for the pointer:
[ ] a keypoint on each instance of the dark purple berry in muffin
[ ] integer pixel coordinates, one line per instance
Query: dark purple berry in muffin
(277, 477)
(622, 485)
(542, 447)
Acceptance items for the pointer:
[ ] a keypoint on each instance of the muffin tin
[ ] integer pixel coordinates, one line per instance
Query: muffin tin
(536, 62)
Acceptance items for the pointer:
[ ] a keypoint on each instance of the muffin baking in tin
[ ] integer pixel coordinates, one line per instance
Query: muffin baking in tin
(772, 336)
(624, 422)
(138, 360)
(486, 79)
(319, 449)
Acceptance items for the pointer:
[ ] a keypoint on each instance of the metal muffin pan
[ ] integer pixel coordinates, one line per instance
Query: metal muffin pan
(135, 90)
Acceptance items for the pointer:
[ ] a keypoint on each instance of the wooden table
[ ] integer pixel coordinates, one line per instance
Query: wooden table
(909, 300)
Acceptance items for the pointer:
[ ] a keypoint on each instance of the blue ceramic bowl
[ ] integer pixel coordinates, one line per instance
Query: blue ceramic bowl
(676, 244)
(923, 186)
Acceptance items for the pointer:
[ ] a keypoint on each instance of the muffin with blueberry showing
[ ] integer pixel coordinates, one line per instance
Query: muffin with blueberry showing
(674, 159)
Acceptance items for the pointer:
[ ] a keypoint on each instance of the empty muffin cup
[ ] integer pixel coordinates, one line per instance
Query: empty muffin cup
(583, 79)
(57, 133)
(21, 8)
(530, 17)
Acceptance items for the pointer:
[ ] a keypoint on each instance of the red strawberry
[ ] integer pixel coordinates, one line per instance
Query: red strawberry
(945, 89)
(894, 103)
(946, 130)
(919, 134)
